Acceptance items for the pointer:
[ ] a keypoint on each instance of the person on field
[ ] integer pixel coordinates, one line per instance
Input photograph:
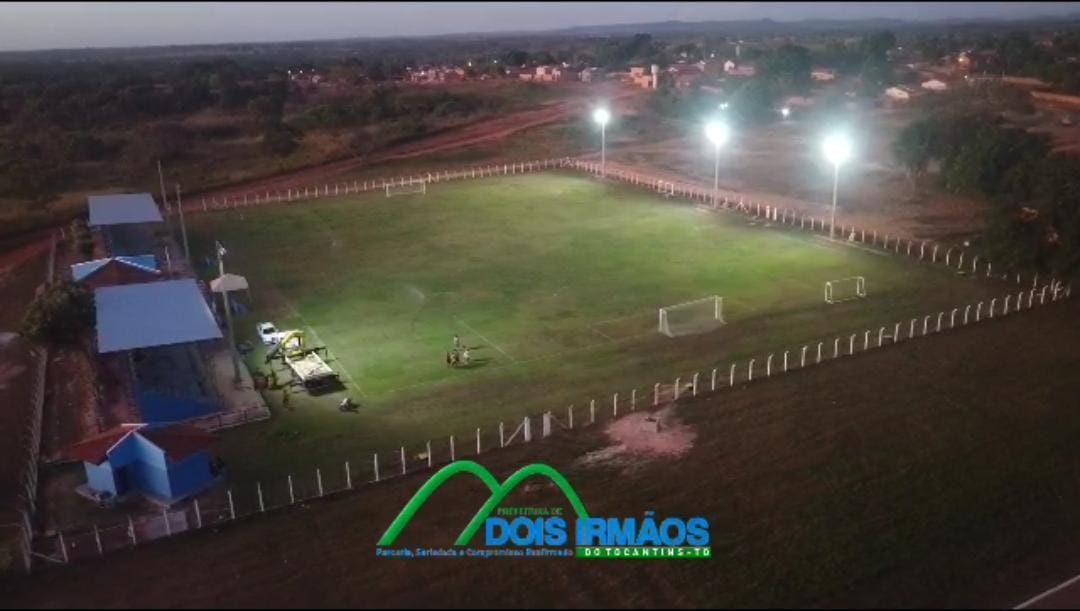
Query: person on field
(449, 360)
(455, 358)
(465, 357)
(457, 343)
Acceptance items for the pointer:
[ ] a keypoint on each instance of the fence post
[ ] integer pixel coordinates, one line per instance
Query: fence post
(768, 366)
(694, 385)
(404, 464)
(992, 303)
(478, 441)
(633, 399)
(570, 417)
(615, 405)
(866, 340)
(750, 371)
(712, 385)
(232, 507)
(925, 324)
(819, 346)
(911, 329)
(258, 489)
(429, 454)
(376, 464)
(785, 359)
(851, 345)
(198, 514)
(802, 357)
(592, 411)
(675, 395)
(880, 336)
(97, 539)
(939, 317)
(348, 476)
(656, 394)
(978, 311)
(292, 492)
(836, 348)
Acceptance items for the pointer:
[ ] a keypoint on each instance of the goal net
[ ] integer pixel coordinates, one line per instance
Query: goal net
(406, 188)
(845, 289)
(698, 316)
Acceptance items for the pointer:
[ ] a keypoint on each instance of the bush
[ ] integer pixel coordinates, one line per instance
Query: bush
(60, 314)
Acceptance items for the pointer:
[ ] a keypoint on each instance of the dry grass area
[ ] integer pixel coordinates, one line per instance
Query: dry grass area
(940, 472)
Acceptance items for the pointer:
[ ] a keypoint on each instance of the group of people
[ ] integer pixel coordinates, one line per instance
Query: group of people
(458, 354)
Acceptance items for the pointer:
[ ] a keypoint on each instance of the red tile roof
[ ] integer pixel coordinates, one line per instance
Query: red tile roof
(177, 441)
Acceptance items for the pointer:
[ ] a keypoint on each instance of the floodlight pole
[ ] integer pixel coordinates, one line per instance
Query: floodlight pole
(716, 180)
(603, 149)
(835, 184)
(228, 316)
(164, 197)
(183, 227)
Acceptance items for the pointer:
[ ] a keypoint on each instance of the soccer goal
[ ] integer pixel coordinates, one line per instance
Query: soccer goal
(406, 188)
(698, 316)
(845, 289)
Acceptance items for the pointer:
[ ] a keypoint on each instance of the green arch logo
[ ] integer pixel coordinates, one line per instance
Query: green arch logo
(498, 493)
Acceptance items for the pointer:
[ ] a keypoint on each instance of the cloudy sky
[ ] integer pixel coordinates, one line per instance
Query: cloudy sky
(49, 25)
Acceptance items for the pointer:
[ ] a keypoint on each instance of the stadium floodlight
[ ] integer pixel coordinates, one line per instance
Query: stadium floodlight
(785, 111)
(602, 116)
(837, 149)
(717, 133)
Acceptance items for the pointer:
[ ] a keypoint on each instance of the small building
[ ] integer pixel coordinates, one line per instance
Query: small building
(902, 94)
(589, 75)
(823, 74)
(115, 271)
(733, 69)
(935, 85)
(684, 75)
(164, 464)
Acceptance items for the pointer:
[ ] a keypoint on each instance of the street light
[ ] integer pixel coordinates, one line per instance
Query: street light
(785, 111)
(602, 116)
(717, 133)
(837, 149)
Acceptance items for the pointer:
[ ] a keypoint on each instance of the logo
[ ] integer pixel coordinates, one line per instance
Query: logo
(544, 531)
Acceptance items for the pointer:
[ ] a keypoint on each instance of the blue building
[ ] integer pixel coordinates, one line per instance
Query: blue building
(164, 464)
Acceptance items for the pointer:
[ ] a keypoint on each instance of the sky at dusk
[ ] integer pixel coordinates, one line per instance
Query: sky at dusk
(26, 26)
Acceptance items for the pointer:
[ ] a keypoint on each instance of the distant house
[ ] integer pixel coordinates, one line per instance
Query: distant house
(164, 464)
(733, 69)
(589, 75)
(643, 77)
(935, 85)
(902, 93)
(823, 74)
(798, 101)
(684, 75)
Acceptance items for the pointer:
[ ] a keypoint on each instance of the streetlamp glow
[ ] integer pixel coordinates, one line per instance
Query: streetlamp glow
(785, 111)
(837, 150)
(717, 133)
(602, 116)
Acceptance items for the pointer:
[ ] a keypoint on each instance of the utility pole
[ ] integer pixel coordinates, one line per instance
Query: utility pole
(183, 228)
(228, 314)
(164, 197)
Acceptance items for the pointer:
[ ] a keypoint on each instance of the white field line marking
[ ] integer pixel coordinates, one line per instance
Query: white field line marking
(600, 333)
(1047, 593)
(478, 334)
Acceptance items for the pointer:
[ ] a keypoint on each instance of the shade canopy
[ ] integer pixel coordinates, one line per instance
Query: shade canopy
(152, 314)
(123, 209)
(228, 282)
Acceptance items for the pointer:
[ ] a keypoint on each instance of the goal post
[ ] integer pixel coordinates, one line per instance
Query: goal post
(845, 289)
(411, 187)
(697, 316)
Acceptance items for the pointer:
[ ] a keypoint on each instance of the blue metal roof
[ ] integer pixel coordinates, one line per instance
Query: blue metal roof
(152, 314)
(80, 271)
(123, 208)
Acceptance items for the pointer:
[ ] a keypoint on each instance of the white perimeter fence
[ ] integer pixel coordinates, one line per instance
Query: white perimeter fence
(242, 501)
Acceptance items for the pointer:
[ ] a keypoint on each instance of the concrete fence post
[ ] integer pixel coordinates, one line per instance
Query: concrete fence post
(731, 375)
(615, 405)
(978, 311)
(478, 440)
(168, 526)
(712, 386)
(292, 492)
(97, 539)
(348, 476)
(676, 391)
(63, 546)
(404, 463)
(911, 329)
(429, 454)
(570, 417)
(802, 357)
(836, 348)
(768, 366)
(1006, 308)
(851, 344)
(232, 506)
(750, 371)
(925, 324)
(502, 435)
(819, 345)
(880, 336)
(656, 394)
(993, 302)
(786, 360)
(693, 387)
(866, 340)
(198, 514)
(934, 258)
(453, 450)
(376, 465)
(592, 411)
(318, 480)
(967, 310)
(258, 490)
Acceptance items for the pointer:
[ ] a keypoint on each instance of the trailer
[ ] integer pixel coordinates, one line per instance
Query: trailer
(307, 367)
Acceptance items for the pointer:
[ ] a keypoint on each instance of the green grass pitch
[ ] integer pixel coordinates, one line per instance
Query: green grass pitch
(554, 279)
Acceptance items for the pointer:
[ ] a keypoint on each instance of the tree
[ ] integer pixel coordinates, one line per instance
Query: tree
(789, 67)
(60, 314)
(281, 140)
(912, 148)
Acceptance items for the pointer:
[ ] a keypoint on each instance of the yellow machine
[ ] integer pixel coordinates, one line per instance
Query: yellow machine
(306, 366)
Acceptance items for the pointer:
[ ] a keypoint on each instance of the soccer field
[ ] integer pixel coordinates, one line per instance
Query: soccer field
(553, 280)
